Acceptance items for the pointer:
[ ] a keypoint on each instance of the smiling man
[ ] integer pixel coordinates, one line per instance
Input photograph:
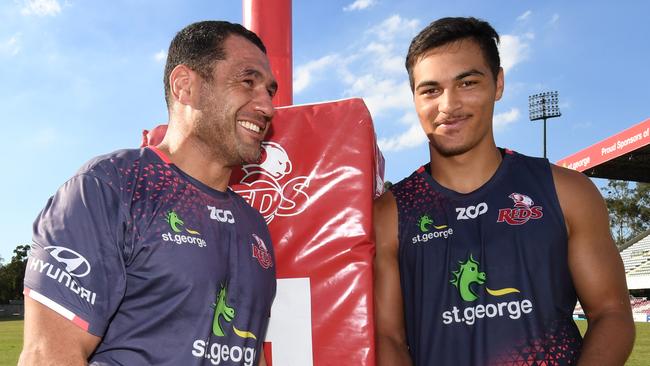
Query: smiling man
(482, 252)
(145, 257)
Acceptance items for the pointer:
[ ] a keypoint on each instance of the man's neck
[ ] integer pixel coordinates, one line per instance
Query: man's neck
(195, 159)
(466, 172)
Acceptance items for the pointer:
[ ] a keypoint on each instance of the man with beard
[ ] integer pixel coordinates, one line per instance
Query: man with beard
(482, 252)
(146, 257)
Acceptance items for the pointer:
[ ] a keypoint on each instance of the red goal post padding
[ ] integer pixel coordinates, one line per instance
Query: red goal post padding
(319, 172)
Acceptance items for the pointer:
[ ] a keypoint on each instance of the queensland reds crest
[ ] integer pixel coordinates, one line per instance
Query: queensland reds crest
(261, 253)
(269, 188)
(523, 210)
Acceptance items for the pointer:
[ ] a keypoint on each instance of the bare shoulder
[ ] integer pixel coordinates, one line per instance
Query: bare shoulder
(385, 204)
(385, 217)
(579, 198)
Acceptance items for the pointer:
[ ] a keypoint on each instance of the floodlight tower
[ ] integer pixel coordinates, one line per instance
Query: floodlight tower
(543, 106)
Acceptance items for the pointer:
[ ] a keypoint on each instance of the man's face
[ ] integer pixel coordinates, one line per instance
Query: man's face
(235, 106)
(454, 96)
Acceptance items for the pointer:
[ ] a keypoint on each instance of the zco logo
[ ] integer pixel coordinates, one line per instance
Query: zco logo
(469, 274)
(522, 211)
(261, 253)
(75, 264)
(177, 225)
(267, 188)
(217, 352)
(425, 223)
(221, 215)
(471, 212)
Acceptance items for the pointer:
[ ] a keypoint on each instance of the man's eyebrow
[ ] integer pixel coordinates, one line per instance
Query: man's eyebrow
(471, 72)
(258, 75)
(427, 83)
(461, 76)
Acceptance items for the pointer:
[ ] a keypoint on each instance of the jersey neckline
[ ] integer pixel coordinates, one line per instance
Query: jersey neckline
(508, 157)
(195, 182)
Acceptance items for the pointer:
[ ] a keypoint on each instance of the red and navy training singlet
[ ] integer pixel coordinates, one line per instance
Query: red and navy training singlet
(484, 275)
(165, 269)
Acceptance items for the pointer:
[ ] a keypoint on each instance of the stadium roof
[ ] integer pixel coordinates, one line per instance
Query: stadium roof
(623, 156)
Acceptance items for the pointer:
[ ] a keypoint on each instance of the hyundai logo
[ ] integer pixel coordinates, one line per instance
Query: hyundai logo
(75, 264)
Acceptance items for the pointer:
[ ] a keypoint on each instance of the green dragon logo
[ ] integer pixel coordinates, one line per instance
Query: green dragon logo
(177, 224)
(465, 276)
(223, 311)
(469, 273)
(424, 223)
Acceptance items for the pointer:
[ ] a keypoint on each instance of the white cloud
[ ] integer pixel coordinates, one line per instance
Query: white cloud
(393, 27)
(554, 19)
(160, 56)
(304, 74)
(410, 138)
(11, 46)
(41, 7)
(382, 95)
(524, 16)
(514, 49)
(360, 5)
(501, 120)
(385, 58)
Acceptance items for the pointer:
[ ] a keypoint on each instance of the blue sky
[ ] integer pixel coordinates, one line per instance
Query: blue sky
(81, 78)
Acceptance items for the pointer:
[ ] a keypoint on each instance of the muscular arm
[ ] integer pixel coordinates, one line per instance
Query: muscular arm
(389, 312)
(597, 271)
(51, 339)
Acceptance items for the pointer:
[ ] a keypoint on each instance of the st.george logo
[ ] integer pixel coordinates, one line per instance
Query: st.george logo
(467, 279)
(267, 187)
(223, 311)
(524, 210)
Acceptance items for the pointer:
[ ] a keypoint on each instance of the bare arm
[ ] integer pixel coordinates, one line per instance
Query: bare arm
(597, 271)
(389, 311)
(262, 361)
(51, 339)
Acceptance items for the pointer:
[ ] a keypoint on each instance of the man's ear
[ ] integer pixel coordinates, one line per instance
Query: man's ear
(500, 84)
(183, 85)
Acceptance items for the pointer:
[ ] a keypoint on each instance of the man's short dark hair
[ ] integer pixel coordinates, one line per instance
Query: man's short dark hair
(200, 44)
(448, 30)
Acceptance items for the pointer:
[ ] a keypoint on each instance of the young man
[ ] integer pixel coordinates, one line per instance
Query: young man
(145, 257)
(482, 251)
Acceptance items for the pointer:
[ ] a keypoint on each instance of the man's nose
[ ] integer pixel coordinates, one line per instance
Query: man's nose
(449, 102)
(263, 103)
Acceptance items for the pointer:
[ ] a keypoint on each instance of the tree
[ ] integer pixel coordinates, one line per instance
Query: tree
(12, 274)
(629, 209)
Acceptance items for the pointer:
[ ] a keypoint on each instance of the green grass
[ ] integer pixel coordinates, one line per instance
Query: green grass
(641, 352)
(11, 336)
(11, 341)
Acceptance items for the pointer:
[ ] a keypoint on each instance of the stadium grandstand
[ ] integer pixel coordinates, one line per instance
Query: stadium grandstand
(623, 156)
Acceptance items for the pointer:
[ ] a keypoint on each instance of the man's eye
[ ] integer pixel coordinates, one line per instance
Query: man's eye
(467, 83)
(248, 82)
(431, 91)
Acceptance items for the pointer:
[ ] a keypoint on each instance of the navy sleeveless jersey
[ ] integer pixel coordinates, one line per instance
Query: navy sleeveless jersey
(165, 269)
(484, 275)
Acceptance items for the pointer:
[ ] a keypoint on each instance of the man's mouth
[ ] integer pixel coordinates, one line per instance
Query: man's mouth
(452, 120)
(250, 126)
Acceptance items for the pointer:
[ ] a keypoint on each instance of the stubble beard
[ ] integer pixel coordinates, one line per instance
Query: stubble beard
(449, 150)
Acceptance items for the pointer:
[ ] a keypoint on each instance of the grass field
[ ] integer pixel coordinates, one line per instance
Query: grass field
(11, 341)
(11, 336)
